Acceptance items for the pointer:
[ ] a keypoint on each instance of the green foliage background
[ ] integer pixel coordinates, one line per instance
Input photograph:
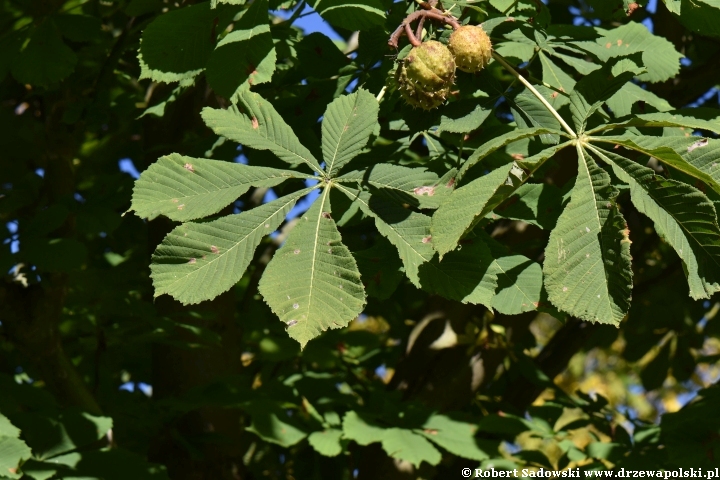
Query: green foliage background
(374, 291)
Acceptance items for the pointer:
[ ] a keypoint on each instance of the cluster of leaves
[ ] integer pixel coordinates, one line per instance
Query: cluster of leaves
(314, 283)
(431, 248)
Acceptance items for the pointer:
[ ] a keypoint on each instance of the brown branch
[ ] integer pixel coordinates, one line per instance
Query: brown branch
(405, 27)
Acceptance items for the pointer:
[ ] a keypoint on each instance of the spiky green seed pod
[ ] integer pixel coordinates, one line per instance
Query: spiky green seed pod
(424, 77)
(471, 47)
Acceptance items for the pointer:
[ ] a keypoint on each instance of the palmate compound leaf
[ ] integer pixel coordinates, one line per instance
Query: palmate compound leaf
(414, 186)
(261, 127)
(467, 205)
(409, 231)
(199, 261)
(346, 127)
(313, 283)
(587, 261)
(184, 188)
(682, 215)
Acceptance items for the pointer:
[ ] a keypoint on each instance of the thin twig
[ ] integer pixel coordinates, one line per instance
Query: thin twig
(537, 94)
(404, 27)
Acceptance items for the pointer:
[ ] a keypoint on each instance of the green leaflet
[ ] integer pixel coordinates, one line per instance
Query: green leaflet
(683, 216)
(199, 261)
(407, 230)
(587, 261)
(361, 430)
(346, 127)
(261, 128)
(380, 268)
(457, 437)
(501, 141)
(466, 274)
(184, 188)
(519, 284)
(555, 76)
(659, 56)
(667, 119)
(313, 283)
(594, 89)
(244, 57)
(409, 446)
(177, 45)
(13, 451)
(470, 203)
(355, 15)
(44, 58)
(621, 103)
(650, 146)
(326, 442)
(528, 111)
(415, 186)
(536, 204)
(271, 423)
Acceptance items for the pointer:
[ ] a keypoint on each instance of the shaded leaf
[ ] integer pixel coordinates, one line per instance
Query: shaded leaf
(465, 274)
(177, 45)
(415, 186)
(499, 142)
(456, 437)
(409, 231)
(469, 204)
(44, 58)
(244, 57)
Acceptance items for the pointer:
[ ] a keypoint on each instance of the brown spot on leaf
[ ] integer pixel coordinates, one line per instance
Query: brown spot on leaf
(326, 215)
(427, 239)
(554, 94)
(698, 144)
(192, 260)
(632, 7)
(214, 249)
(619, 42)
(451, 183)
(608, 45)
(518, 156)
(255, 123)
(189, 167)
(429, 191)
